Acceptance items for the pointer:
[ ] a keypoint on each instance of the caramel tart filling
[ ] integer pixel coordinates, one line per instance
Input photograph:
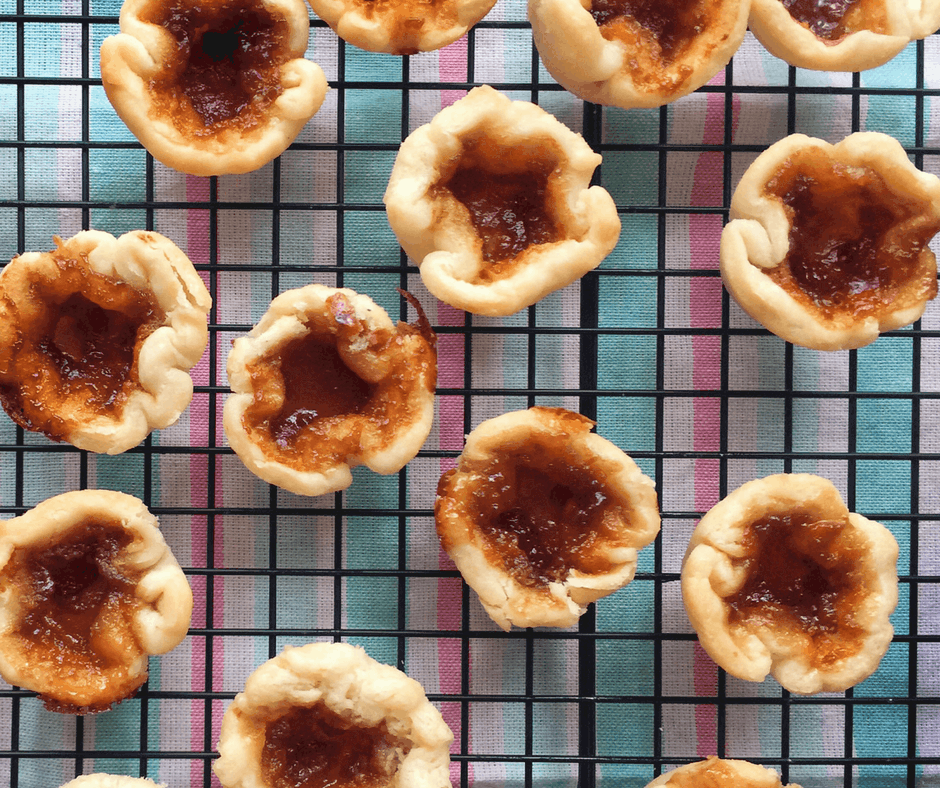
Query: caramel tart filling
(667, 28)
(226, 68)
(855, 245)
(314, 747)
(832, 20)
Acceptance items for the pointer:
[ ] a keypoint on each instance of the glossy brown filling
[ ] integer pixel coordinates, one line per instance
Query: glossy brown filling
(67, 586)
(673, 24)
(77, 353)
(854, 243)
(711, 773)
(507, 195)
(542, 515)
(806, 577)
(406, 20)
(831, 20)
(227, 67)
(314, 747)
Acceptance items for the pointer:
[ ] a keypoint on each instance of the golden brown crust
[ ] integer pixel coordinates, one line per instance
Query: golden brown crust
(630, 517)
(718, 564)
(436, 230)
(623, 64)
(720, 773)
(876, 30)
(120, 639)
(349, 683)
(141, 266)
(138, 58)
(400, 363)
(757, 240)
(401, 28)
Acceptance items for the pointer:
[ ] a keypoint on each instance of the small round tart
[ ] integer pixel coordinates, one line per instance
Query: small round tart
(101, 780)
(326, 382)
(636, 53)
(214, 87)
(401, 27)
(97, 338)
(327, 714)
(781, 578)
(828, 244)
(850, 35)
(543, 516)
(88, 590)
(720, 773)
(493, 201)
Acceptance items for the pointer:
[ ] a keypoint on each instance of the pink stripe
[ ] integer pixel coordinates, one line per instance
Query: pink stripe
(452, 65)
(705, 678)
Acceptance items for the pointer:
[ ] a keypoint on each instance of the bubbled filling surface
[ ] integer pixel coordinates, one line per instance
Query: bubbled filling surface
(832, 20)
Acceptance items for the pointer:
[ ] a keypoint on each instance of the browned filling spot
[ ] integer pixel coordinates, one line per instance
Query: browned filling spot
(309, 407)
(805, 577)
(831, 20)
(856, 246)
(227, 67)
(314, 747)
(406, 20)
(541, 511)
(710, 773)
(672, 24)
(77, 349)
(78, 605)
(507, 193)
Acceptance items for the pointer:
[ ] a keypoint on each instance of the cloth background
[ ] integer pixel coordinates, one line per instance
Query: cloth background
(675, 373)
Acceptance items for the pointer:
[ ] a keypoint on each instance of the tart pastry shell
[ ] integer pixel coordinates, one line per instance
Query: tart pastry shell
(131, 60)
(435, 229)
(359, 327)
(159, 622)
(757, 239)
(349, 683)
(152, 264)
(715, 568)
(720, 773)
(101, 780)
(555, 604)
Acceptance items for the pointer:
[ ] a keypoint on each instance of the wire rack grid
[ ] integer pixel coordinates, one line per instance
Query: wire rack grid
(649, 345)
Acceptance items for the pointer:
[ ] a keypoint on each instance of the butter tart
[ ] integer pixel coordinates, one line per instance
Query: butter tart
(781, 578)
(88, 590)
(543, 516)
(493, 201)
(636, 53)
(828, 244)
(326, 382)
(720, 773)
(101, 780)
(401, 28)
(97, 338)
(850, 35)
(327, 714)
(214, 87)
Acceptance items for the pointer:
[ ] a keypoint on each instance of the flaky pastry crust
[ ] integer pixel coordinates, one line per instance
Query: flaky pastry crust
(758, 239)
(349, 683)
(623, 62)
(142, 68)
(873, 32)
(101, 780)
(150, 615)
(399, 363)
(436, 229)
(401, 28)
(720, 773)
(719, 564)
(601, 563)
(151, 389)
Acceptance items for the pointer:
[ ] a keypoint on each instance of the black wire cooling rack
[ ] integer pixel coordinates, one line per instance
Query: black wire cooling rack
(703, 403)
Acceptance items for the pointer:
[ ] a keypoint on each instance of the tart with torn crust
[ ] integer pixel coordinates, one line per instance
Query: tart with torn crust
(828, 244)
(326, 382)
(401, 28)
(493, 201)
(851, 35)
(88, 590)
(781, 578)
(213, 87)
(720, 773)
(97, 338)
(636, 53)
(543, 516)
(328, 714)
